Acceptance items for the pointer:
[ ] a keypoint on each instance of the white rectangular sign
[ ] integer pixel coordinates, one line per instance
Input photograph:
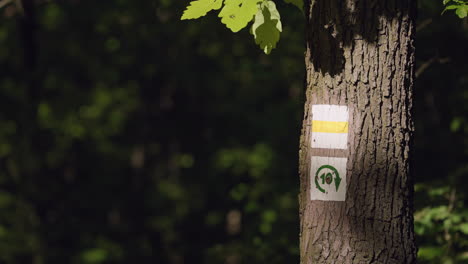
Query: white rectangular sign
(328, 178)
(329, 126)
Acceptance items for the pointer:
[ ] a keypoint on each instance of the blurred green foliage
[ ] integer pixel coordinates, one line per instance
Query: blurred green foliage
(129, 136)
(442, 225)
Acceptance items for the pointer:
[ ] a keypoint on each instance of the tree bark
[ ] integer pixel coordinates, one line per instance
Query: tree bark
(360, 54)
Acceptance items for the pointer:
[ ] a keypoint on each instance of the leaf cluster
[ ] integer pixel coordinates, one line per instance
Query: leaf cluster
(460, 7)
(237, 14)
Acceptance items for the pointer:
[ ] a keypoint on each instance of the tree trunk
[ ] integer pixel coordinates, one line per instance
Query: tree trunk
(360, 61)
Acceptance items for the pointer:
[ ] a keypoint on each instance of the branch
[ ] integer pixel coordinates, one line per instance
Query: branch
(423, 24)
(428, 63)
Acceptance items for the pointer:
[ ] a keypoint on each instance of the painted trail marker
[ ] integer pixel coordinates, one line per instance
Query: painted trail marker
(329, 126)
(329, 131)
(328, 178)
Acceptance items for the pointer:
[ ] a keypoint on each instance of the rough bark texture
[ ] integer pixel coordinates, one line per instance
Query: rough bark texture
(360, 54)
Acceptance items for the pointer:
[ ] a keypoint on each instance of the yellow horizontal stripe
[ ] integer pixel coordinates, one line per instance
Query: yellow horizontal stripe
(329, 126)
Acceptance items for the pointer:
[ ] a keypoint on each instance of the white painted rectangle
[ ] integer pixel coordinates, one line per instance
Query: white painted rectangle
(338, 113)
(328, 178)
(328, 139)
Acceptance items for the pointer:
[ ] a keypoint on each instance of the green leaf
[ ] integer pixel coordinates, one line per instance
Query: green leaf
(199, 8)
(446, 1)
(299, 3)
(461, 11)
(236, 14)
(449, 8)
(267, 26)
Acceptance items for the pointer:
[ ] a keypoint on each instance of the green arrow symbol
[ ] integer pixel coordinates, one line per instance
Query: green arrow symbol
(337, 180)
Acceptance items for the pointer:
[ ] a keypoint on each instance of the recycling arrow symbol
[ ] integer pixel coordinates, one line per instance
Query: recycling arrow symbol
(326, 173)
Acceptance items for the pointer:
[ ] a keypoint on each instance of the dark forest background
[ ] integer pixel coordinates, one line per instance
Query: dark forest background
(129, 136)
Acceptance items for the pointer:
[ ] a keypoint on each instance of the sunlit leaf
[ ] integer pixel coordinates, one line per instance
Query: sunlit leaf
(200, 8)
(267, 26)
(236, 14)
(461, 11)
